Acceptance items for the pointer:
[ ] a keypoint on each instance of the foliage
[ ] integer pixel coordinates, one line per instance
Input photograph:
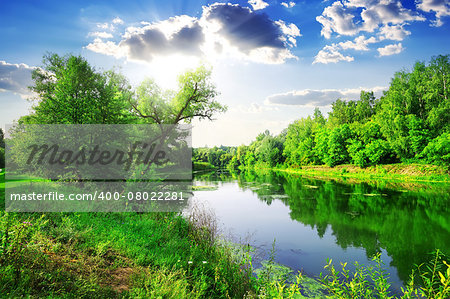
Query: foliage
(438, 150)
(372, 281)
(215, 157)
(366, 282)
(2, 140)
(435, 278)
(70, 91)
(409, 123)
(195, 98)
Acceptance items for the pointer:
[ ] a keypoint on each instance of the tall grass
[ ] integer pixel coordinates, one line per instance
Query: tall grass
(56, 253)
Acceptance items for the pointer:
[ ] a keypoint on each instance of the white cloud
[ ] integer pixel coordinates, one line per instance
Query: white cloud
(107, 48)
(288, 5)
(391, 49)
(383, 19)
(337, 18)
(319, 97)
(386, 12)
(441, 8)
(110, 26)
(117, 21)
(290, 31)
(106, 26)
(360, 43)
(331, 54)
(15, 78)
(393, 32)
(258, 4)
(101, 34)
(343, 17)
(223, 29)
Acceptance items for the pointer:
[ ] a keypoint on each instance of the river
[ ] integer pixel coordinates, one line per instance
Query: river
(312, 219)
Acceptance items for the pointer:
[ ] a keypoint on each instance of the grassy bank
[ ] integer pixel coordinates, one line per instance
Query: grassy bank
(114, 255)
(117, 255)
(395, 172)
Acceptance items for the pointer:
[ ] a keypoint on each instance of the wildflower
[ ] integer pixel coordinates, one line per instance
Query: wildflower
(204, 262)
(189, 262)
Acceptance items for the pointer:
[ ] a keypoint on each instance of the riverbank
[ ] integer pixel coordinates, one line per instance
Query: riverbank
(395, 172)
(117, 255)
(114, 255)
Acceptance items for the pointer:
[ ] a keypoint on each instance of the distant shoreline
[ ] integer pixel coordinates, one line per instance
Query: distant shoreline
(398, 172)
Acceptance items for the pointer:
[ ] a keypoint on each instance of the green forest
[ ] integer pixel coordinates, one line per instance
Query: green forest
(410, 123)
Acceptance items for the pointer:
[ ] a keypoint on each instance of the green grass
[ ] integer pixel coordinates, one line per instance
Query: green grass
(88, 248)
(116, 255)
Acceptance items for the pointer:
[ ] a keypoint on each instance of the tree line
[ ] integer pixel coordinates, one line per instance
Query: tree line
(409, 123)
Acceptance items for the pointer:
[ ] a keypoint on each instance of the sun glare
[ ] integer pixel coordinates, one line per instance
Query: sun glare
(165, 70)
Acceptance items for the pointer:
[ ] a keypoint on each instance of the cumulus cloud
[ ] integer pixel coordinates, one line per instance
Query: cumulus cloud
(258, 4)
(441, 8)
(181, 34)
(222, 29)
(118, 21)
(393, 32)
(383, 19)
(353, 16)
(390, 49)
(288, 5)
(320, 97)
(15, 78)
(107, 48)
(360, 43)
(331, 54)
(337, 18)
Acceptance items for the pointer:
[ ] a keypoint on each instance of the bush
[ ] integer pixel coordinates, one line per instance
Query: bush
(378, 151)
(438, 150)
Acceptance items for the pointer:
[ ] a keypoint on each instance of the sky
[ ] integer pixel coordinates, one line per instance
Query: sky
(272, 61)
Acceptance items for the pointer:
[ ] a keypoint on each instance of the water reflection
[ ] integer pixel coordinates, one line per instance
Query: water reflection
(406, 221)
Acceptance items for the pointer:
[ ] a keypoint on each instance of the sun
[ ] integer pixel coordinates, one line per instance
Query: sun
(166, 69)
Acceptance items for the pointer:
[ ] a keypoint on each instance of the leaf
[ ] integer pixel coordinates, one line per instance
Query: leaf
(442, 277)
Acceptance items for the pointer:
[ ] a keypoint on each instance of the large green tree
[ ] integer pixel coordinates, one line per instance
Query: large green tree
(194, 98)
(70, 91)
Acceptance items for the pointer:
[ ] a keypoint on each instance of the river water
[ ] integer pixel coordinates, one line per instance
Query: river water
(311, 219)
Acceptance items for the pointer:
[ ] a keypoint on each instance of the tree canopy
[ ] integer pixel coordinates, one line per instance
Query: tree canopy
(194, 98)
(409, 123)
(70, 91)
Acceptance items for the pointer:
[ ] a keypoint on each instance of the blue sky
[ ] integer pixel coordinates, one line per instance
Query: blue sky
(273, 61)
